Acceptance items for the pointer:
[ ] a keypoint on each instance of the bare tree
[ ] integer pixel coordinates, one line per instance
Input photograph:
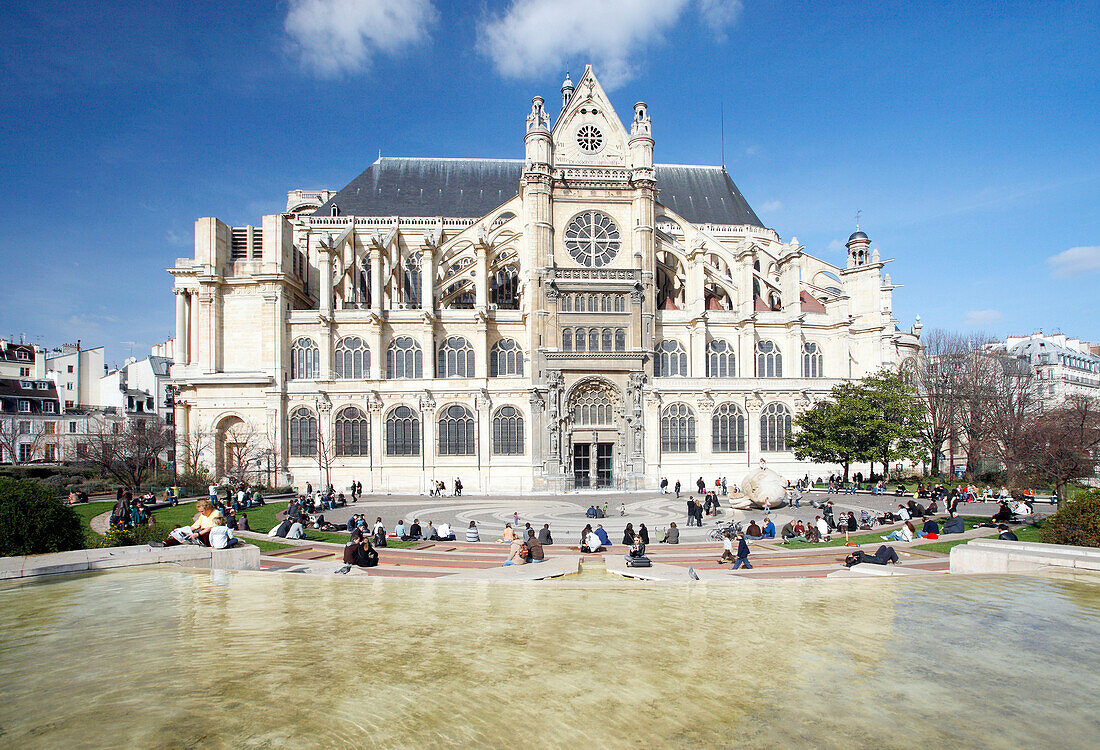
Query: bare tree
(17, 432)
(190, 448)
(1014, 402)
(243, 450)
(127, 450)
(1062, 444)
(931, 379)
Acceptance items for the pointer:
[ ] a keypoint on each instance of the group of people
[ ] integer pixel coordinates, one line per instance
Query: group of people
(696, 510)
(129, 513)
(209, 528)
(238, 498)
(439, 488)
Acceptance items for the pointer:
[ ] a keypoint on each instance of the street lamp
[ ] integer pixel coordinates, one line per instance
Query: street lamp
(170, 394)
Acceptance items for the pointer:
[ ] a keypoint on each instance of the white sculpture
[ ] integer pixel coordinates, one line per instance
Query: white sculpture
(761, 488)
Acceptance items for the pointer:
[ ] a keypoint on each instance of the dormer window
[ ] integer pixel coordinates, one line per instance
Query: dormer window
(26, 385)
(43, 386)
(335, 210)
(24, 355)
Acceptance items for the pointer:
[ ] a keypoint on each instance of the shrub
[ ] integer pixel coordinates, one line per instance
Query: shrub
(1077, 522)
(33, 521)
(137, 535)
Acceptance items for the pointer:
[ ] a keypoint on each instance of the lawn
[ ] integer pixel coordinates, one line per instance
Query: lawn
(1028, 533)
(88, 511)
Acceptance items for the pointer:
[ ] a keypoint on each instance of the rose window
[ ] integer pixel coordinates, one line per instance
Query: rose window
(589, 138)
(592, 238)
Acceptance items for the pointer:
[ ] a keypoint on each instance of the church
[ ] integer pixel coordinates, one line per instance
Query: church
(579, 318)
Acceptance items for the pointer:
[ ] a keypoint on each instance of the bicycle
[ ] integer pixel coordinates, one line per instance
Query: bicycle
(733, 528)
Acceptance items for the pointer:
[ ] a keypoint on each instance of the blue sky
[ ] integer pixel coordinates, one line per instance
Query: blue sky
(967, 133)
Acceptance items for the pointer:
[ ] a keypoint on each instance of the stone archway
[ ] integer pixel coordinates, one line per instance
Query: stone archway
(594, 411)
(234, 446)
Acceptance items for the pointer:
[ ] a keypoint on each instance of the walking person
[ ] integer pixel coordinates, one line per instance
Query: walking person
(742, 559)
(691, 511)
(677, 488)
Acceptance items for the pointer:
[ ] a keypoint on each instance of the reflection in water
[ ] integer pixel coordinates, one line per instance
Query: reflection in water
(167, 658)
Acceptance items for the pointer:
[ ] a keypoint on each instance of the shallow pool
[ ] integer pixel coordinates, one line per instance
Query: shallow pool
(168, 658)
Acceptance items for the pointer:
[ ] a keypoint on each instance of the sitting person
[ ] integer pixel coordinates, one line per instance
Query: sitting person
(535, 553)
(605, 540)
(589, 541)
(883, 556)
(1006, 534)
(953, 525)
(787, 532)
(636, 552)
(812, 534)
(1022, 509)
(281, 530)
(445, 533)
(472, 534)
(769, 529)
(545, 537)
(415, 532)
(628, 534)
(591, 512)
(431, 533)
(221, 536)
(242, 523)
(753, 531)
(199, 531)
(359, 552)
(932, 509)
(509, 534)
(1004, 513)
(517, 553)
(930, 529)
(852, 524)
(822, 528)
(672, 536)
(902, 534)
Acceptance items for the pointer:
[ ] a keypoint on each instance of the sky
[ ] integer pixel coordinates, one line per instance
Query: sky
(966, 134)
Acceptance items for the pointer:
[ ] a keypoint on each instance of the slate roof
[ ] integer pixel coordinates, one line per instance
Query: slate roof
(471, 188)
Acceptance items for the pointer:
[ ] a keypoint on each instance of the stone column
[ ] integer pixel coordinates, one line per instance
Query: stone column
(192, 327)
(181, 354)
(324, 271)
(752, 431)
(698, 351)
(427, 279)
(376, 279)
(481, 280)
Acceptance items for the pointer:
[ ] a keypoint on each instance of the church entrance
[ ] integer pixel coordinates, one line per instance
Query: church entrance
(592, 464)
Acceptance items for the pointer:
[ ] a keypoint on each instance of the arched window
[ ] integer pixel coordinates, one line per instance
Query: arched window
(303, 433)
(775, 427)
(605, 303)
(605, 340)
(721, 359)
(352, 359)
(506, 359)
(620, 340)
(303, 359)
(620, 303)
(567, 303)
(593, 339)
(456, 431)
(677, 429)
(456, 359)
(592, 408)
(670, 360)
(411, 286)
(504, 289)
(567, 340)
(352, 438)
(403, 359)
(769, 362)
(813, 363)
(402, 432)
(581, 339)
(507, 432)
(727, 428)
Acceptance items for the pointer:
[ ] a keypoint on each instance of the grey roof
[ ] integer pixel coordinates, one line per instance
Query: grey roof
(471, 188)
(159, 365)
(857, 235)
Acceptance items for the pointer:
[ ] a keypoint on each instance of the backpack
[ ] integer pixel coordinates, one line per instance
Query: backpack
(524, 552)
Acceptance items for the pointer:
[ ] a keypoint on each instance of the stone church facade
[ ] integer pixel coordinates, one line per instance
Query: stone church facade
(579, 318)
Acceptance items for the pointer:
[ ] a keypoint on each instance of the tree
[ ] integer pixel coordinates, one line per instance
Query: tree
(128, 451)
(898, 414)
(1062, 444)
(33, 522)
(243, 448)
(841, 429)
(1014, 402)
(15, 432)
(191, 447)
(932, 386)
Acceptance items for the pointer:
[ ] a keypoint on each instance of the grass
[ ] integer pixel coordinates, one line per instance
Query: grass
(88, 511)
(1028, 533)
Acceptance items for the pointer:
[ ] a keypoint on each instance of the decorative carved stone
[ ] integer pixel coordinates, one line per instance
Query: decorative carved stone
(427, 403)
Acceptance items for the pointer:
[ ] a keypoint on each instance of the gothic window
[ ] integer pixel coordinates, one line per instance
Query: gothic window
(677, 429)
(411, 286)
(567, 340)
(592, 408)
(721, 359)
(620, 303)
(402, 432)
(605, 303)
(593, 339)
(456, 431)
(460, 295)
(303, 359)
(605, 340)
(592, 239)
(456, 359)
(728, 429)
(352, 438)
(303, 433)
(504, 289)
(505, 359)
(567, 303)
(775, 427)
(352, 359)
(769, 362)
(620, 340)
(670, 360)
(813, 363)
(589, 138)
(507, 432)
(403, 359)
(581, 339)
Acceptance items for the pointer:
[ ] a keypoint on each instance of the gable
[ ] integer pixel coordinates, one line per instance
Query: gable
(588, 131)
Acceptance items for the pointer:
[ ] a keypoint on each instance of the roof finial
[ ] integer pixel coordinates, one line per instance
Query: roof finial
(858, 214)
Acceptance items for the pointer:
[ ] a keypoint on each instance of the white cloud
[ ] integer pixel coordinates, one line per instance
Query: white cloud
(771, 206)
(174, 238)
(535, 37)
(978, 318)
(836, 246)
(342, 36)
(1075, 260)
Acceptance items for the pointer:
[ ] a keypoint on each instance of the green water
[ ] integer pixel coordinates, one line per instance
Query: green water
(168, 658)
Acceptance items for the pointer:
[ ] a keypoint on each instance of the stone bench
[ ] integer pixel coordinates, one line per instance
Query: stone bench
(999, 556)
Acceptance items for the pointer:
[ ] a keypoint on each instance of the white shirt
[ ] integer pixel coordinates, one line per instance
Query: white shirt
(727, 544)
(444, 529)
(295, 531)
(213, 489)
(903, 514)
(906, 534)
(822, 527)
(220, 536)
